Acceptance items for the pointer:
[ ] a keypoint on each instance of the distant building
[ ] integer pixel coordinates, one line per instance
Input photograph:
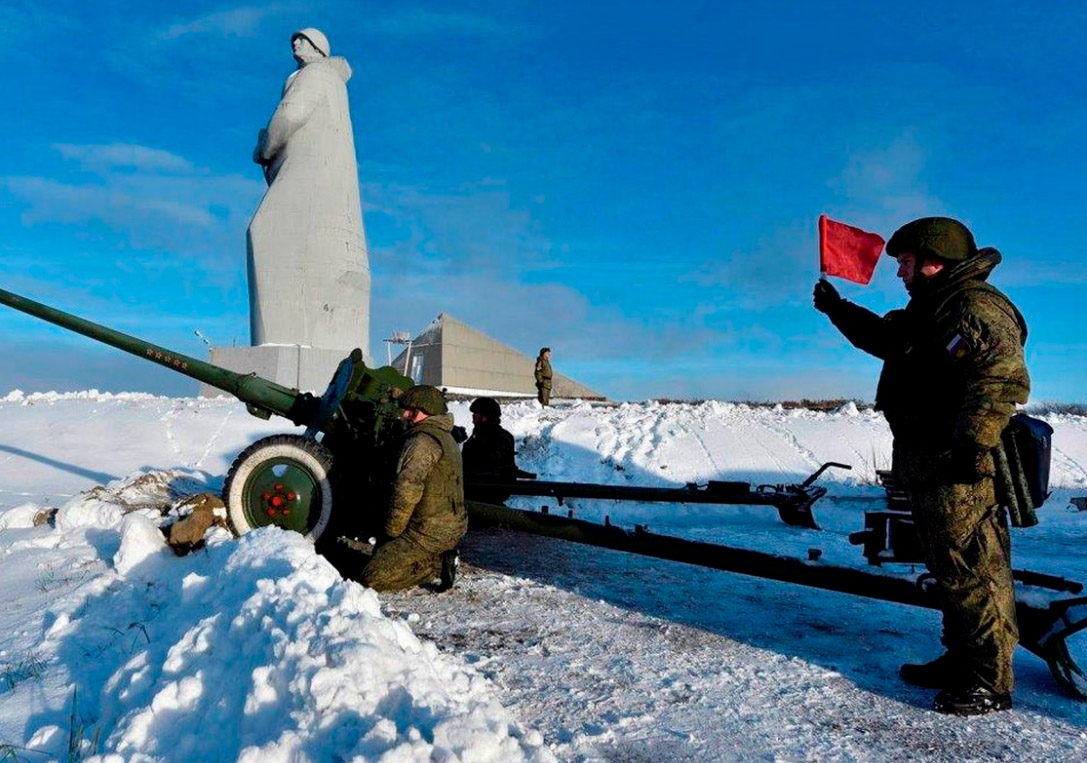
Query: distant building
(453, 355)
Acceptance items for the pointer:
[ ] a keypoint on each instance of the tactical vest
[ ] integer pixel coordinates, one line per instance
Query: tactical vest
(440, 517)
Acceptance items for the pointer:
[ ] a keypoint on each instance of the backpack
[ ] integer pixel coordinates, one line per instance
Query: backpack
(1031, 440)
(1023, 459)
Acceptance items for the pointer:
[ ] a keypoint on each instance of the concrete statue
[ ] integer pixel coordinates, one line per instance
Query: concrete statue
(309, 273)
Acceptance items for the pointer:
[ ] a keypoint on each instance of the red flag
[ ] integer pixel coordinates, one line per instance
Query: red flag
(847, 252)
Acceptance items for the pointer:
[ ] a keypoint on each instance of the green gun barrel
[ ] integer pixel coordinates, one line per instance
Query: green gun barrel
(261, 396)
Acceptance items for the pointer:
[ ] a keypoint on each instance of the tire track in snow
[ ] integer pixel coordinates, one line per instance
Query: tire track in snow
(700, 441)
(750, 444)
(628, 439)
(791, 440)
(648, 446)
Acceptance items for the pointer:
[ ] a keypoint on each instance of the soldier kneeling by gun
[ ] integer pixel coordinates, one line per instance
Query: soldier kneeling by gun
(426, 516)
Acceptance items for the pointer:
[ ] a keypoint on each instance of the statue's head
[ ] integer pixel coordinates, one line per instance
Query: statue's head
(309, 45)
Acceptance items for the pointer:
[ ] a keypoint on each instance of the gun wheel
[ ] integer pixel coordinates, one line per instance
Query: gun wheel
(280, 480)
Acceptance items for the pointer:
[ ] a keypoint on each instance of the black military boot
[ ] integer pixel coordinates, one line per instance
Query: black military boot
(938, 674)
(971, 700)
(450, 562)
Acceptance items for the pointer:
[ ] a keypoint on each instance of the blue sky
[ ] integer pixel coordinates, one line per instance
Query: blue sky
(634, 184)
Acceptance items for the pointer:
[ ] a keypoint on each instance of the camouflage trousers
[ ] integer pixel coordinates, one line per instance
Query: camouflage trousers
(967, 548)
(398, 564)
(543, 394)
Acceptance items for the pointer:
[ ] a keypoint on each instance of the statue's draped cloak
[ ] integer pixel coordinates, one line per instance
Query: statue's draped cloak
(309, 273)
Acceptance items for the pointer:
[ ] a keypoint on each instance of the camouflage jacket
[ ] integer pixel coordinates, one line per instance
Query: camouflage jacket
(543, 372)
(427, 502)
(953, 364)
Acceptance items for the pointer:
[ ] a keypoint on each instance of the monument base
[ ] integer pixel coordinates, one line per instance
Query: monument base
(307, 369)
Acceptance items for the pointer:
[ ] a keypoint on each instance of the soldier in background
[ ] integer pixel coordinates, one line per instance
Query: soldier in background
(953, 372)
(426, 515)
(543, 376)
(489, 453)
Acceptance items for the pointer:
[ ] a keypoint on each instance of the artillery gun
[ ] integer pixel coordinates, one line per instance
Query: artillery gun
(294, 481)
(289, 480)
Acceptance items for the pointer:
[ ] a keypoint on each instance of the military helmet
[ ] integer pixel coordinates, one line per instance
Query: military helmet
(423, 397)
(934, 237)
(486, 406)
(317, 40)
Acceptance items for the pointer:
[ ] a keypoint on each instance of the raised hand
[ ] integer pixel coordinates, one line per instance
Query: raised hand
(825, 296)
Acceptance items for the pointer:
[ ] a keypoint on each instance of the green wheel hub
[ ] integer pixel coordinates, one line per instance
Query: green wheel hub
(282, 492)
(280, 480)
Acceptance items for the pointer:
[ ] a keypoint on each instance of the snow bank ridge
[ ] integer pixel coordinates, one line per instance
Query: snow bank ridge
(262, 641)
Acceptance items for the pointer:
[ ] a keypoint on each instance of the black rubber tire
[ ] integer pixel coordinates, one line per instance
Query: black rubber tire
(305, 454)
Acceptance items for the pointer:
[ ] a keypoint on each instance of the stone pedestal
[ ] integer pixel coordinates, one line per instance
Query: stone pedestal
(307, 369)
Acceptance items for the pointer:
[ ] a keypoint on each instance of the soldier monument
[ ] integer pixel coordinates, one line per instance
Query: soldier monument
(308, 269)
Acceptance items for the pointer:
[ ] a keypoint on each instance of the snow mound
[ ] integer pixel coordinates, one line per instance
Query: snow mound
(89, 513)
(19, 517)
(141, 541)
(262, 641)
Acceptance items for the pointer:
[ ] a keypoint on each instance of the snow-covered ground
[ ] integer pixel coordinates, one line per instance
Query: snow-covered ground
(254, 649)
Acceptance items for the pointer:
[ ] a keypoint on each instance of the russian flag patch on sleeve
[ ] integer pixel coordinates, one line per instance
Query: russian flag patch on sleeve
(958, 346)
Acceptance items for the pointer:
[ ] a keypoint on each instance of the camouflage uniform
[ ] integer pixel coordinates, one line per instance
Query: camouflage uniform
(953, 373)
(426, 515)
(543, 379)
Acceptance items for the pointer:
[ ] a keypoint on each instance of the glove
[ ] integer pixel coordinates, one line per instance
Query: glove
(963, 465)
(460, 434)
(825, 296)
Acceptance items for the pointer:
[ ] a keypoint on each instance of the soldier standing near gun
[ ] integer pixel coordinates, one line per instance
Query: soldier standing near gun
(426, 515)
(953, 372)
(543, 376)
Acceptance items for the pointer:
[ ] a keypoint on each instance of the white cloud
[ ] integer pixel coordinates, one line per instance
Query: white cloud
(53, 201)
(190, 214)
(244, 21)
(105, 157)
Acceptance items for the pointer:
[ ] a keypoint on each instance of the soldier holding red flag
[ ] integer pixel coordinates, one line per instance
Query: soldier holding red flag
(953, 372)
